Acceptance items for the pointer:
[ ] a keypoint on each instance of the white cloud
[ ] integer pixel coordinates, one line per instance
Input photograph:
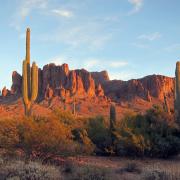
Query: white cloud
(102, 63)
(139, 45)
(86, 34)
(173, 47)
(24, 8)
(138, 4)
(118, 64)
(90, 63)
(63, 13)
(150, 37)
(58, 60)
(124, 75)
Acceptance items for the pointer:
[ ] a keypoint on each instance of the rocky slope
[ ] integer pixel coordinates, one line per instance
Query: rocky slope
(59, 81)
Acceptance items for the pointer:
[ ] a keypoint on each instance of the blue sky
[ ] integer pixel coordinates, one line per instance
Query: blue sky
(128, 38)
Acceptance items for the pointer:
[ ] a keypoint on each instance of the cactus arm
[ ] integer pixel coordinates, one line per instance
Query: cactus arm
(25, 83)
(28, 45)
(30, 79)
(34, 87)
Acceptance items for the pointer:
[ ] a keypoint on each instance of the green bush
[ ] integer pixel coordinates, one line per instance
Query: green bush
(81, 136)
(153, 134)
(99, 134)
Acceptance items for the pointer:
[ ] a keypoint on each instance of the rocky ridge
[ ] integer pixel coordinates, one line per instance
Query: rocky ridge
(62, 82)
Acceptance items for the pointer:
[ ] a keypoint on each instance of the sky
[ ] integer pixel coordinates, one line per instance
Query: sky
(128, 38)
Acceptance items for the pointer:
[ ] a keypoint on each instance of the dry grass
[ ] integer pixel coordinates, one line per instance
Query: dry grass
(165, 171)
(33, 171)
(92, 168)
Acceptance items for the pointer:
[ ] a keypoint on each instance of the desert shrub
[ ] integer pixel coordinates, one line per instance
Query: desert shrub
(159, 175)
(9, 137)
(45, 137)
(153, 134)
(33, 170)
(99, 134)
(131, 167)
(65, 116)
(130, 144)
(90, 173)
(69, 167)
(81, 136)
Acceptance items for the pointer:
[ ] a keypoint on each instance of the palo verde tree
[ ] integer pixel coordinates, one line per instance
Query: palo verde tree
(30, 79)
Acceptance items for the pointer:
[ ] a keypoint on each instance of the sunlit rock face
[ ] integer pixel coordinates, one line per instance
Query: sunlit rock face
(60, 81)
(154, 86)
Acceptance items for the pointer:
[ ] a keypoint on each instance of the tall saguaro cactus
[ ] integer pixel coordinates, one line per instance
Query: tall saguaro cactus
(166, 105)
(177, 93)
(113, 123)
(30, 79)
(112, 117)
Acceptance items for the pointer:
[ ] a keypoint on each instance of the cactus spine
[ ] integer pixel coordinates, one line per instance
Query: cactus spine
(30, 79)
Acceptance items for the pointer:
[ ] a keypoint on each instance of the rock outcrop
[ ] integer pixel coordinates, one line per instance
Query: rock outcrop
(60, 81)
(100, 77)
(5, 92)
(154, 86)
(16, 83)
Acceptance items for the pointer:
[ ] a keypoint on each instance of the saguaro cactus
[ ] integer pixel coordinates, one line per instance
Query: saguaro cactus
(113, 124)
(112, 117)
(177, 93)
(166, 105)
(30, 79)
(74, 106)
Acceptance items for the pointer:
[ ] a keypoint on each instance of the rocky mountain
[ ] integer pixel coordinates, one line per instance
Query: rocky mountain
(147, 88)
(60, 81)
(94, 91)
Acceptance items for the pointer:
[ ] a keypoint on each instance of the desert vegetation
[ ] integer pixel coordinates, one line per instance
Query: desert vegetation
(46, 147)
(154, 134)
(30, 79)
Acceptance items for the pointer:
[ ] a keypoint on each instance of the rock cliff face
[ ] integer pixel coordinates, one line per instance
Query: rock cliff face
(154, 86)
(60, 81)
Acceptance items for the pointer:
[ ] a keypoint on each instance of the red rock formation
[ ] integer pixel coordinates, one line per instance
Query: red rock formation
(145, 88)
(5, 92)
(100, 77)
(60, 81)
(48, 93)
(99, 91)
(17, 83)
